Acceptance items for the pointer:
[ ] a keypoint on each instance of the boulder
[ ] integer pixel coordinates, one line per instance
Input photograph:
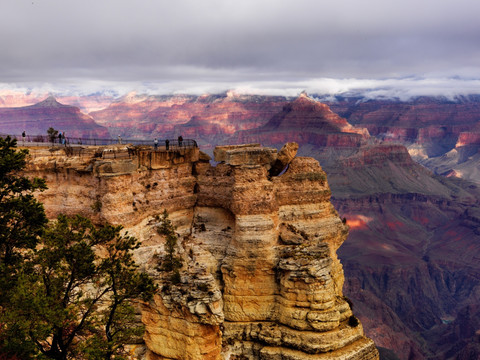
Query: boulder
(284, 157)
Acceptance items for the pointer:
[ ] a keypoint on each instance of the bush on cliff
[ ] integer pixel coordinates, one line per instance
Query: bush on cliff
(171, 262)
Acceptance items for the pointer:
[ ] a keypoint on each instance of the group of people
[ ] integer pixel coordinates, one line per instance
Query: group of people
(167, 143)
(61, 138)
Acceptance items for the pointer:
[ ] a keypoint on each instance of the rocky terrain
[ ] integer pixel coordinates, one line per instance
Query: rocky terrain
(442, 134)
(412, 256)
(260, 277)
(36, 119)
(208, 119)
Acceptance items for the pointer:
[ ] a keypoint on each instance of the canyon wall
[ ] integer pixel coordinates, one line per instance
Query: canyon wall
(441, 134)
(260, 277)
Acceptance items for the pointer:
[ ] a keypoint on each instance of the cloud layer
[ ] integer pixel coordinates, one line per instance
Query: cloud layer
(218, 44)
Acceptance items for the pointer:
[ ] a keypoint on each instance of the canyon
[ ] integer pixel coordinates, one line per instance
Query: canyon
(404, 268)
(441, 134)
(411, 259)
(260, 277)
(208, 118)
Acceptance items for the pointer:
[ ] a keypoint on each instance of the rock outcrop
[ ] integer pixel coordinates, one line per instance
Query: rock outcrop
(285, 156)
(260, 276)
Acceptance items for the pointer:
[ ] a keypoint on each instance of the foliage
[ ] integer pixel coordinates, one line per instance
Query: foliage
(70, 303)
(171, 262)
(97, 206)
(22, 217)
(52, 134)
(353, 321)
(60, 299)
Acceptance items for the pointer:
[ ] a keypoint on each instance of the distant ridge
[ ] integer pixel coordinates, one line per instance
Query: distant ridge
(36, 119)
(49, 102)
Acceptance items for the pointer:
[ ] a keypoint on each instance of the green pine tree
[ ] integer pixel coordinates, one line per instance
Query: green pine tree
(59, 298)
(22, 217)
(52, 134)
(171, 262)
(70, 303)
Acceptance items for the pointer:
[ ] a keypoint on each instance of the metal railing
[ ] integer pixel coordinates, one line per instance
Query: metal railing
(45, 140)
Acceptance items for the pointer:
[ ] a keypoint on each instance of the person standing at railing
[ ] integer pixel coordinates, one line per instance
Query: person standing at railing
(23, 137)
(155, 144)
(180, 140)
(167, 144)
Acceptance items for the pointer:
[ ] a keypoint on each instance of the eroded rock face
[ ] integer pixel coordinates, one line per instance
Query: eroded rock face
(285, 156)
(260, 276)
(203, 118)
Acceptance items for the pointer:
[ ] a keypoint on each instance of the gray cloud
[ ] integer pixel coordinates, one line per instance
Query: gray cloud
(248, 43)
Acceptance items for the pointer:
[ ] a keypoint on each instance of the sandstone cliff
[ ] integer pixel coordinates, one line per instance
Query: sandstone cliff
(260, 276)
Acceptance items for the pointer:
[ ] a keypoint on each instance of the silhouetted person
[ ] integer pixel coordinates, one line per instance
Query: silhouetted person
(23, 137)
(59, 137)
(180, 140)
(155, 144)
(167, 143)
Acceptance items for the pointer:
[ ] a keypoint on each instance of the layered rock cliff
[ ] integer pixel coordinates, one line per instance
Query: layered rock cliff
(207, 118)
(442, 134)
(306, 121)
(260, 276)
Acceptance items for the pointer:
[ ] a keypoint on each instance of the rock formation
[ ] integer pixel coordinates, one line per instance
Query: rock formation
(260, 276)
(36, 119)
(306, 121)
(206, 118)
(442, 134)
(404, 221)
(284, 158)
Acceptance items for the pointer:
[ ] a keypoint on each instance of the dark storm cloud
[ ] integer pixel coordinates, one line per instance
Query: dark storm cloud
(236, 42)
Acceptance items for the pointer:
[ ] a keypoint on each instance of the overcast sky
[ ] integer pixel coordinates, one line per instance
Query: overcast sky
(276, 46)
